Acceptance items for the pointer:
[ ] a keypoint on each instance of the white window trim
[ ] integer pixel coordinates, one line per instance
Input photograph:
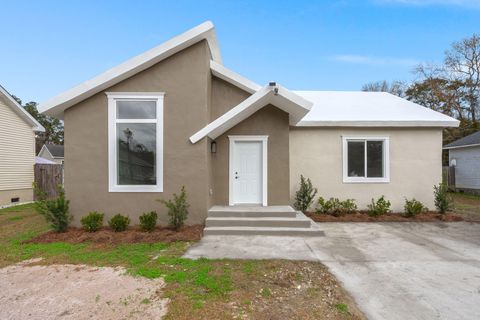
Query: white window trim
(386, 160)
(112, 139)
(264, 141)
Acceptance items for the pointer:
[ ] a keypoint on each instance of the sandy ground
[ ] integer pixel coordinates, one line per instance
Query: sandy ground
(77, 292)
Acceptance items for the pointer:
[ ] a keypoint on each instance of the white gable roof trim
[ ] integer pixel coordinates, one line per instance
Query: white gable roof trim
(234, 78)
(294, 105)
(18, 109)
(204, 31)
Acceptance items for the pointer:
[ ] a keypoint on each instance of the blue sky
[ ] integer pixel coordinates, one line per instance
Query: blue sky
(50, 46)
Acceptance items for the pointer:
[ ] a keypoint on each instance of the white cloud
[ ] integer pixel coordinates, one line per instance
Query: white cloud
(459, 3)
(359, 59)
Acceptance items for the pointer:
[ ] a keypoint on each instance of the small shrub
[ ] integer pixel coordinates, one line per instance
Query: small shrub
(304, 196)
(443, 202)
(148, 221)
(92, 221)
(336, 207)
(177, 209)
(119, 223)
(381, 206)
(413, 207)
(349, 206)
(330, 206)
(55, 211)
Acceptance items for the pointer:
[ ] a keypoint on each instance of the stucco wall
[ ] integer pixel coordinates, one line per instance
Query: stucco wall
(269, 121)
(224, 96)
(415, 164)
(467, 169)
(184, 79)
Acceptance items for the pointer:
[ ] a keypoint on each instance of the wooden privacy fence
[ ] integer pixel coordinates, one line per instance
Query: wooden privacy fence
(47, 178)
(448, 177)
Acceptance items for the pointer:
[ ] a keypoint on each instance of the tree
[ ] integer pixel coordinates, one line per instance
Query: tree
(452, 87)
(53, 127)
(462, 62)
(396, 87)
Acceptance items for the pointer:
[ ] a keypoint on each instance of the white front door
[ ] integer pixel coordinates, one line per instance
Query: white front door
(246, 172)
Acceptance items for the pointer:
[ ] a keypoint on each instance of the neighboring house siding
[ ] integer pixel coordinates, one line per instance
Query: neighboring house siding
(17, 155)
(415, 164)
(46, 155)
(467, 169)
(184, 79)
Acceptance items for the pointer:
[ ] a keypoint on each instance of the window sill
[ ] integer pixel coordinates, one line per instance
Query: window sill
(135, 189)
(368, 181)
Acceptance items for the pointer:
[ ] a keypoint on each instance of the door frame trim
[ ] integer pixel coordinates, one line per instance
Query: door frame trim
(264, 141)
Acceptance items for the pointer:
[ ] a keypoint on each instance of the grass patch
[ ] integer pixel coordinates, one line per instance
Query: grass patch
(204, 288)
(199, 280)
(15, 218)
(342, 307)
(266, 293)
(466, 205)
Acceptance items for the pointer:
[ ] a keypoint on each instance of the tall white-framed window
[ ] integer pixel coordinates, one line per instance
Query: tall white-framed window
(135, 141)
(366, 159)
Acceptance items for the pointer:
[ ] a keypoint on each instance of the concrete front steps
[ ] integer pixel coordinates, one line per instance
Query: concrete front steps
(257, 220)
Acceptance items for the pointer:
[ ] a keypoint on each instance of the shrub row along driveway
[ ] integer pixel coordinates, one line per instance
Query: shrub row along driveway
(393, 270)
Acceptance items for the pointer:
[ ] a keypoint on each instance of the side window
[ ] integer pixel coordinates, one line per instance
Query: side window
(365, 159)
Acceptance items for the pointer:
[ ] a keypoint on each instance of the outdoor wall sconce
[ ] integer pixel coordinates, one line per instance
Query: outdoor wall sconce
(213, 147)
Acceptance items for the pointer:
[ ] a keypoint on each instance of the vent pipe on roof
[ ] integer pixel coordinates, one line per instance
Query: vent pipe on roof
(274, 85)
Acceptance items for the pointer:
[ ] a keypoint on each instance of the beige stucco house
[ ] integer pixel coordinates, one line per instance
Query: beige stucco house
(17, 150)
(52, 152)
(176, 116)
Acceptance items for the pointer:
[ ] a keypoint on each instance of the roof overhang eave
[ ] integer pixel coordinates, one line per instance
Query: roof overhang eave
(18, 109)
(205, 31)
(378, 123)
(463, 146)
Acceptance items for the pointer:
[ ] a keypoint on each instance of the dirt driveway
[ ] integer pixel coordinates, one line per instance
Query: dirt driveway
(77, 292)
(393, 270)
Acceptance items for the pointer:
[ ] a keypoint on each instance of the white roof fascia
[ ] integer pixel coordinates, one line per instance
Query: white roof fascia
(393, 123)
(234, 78)
(204, 31)
(465, 146)
(283, 99)
(18, 109)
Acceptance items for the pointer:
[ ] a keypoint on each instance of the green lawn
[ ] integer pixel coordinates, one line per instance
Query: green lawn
(467, 205)
(211, 289)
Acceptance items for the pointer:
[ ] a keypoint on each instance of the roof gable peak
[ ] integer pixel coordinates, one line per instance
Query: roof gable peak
(205, 31)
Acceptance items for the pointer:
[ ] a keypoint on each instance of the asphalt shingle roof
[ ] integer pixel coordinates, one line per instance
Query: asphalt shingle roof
(474, 138)
(55, 149)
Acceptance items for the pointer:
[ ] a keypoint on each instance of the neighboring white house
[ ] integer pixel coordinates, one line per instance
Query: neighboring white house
(17, 150)
(464, 155)
(52, 152)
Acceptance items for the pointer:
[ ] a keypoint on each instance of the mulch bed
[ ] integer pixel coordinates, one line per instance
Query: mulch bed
(389, 217)
(131, 235)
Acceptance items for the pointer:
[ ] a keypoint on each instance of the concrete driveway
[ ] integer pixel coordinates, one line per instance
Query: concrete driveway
(393, 270)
